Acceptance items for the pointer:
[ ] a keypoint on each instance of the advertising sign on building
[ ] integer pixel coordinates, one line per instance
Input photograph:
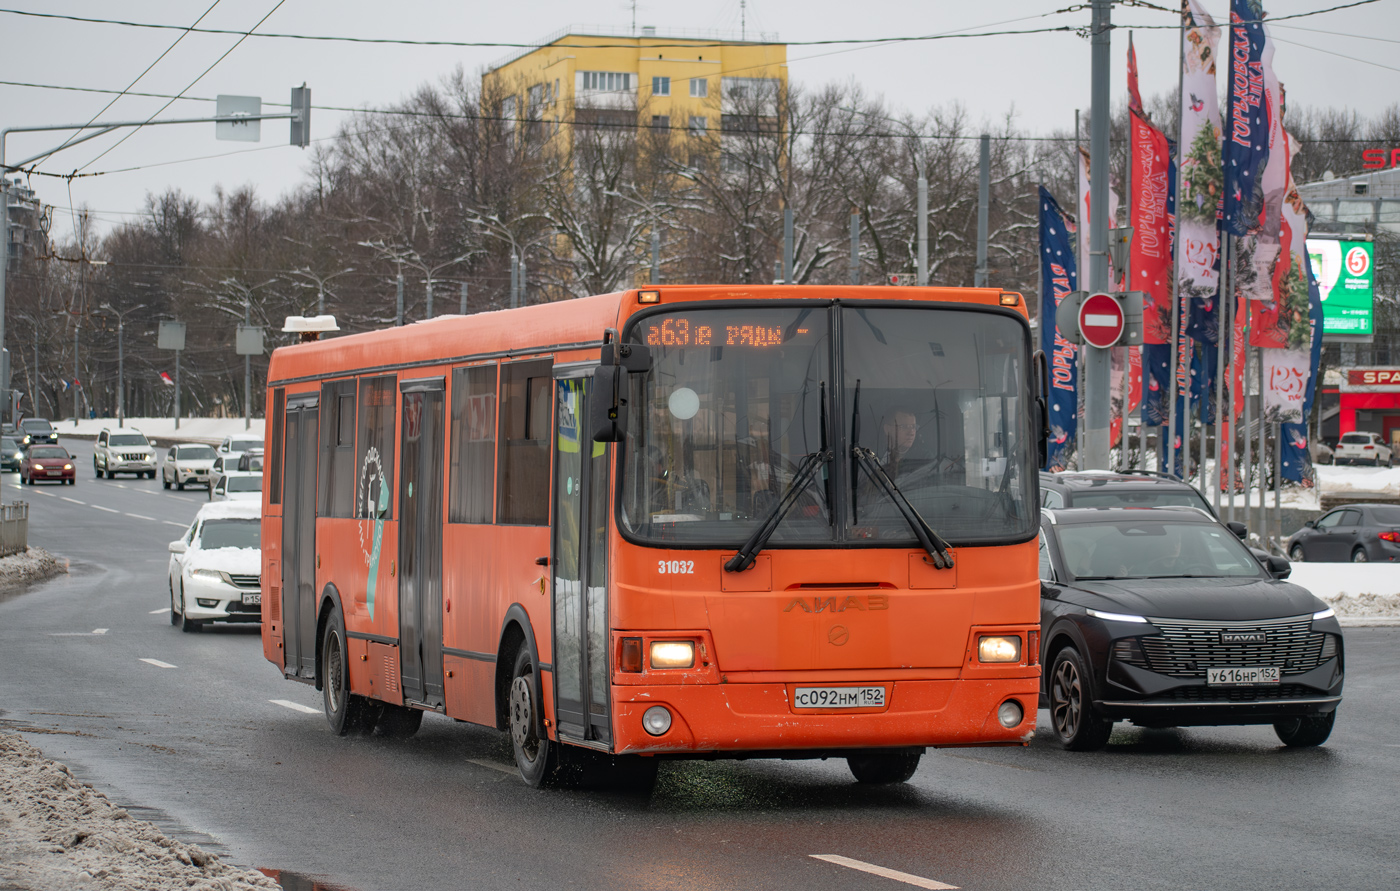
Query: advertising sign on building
(1345, 273)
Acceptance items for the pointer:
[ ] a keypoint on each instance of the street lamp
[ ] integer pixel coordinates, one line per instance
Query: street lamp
(121, 369)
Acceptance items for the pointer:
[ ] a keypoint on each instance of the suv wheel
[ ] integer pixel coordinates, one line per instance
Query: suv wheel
(1077, 726)
(1312, 730)
(96, 471)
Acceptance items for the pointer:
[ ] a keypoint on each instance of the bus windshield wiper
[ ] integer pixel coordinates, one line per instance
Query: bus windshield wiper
(932, 542)
(806, 472)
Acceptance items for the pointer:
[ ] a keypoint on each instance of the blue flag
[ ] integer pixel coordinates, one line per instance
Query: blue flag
(1246, 148)
(1297, 460)
(1058, 278)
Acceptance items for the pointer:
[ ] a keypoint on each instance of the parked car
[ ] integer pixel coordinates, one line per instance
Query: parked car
(1138, 488)
(237, 485)
(10, 453)
(1361, 533)
(251, 460)
(32, 430)
(188, 464)
(123, 450)
(215, 567)
(47, 462)
(1362, 448)
(1163, 618)
(1320, 451)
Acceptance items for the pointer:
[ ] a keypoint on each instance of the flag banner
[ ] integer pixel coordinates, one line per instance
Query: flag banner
(1150, 253)
(1134, 378)
(1117, 367)
(1285, 384)
(1199, 175)
(1156, 377)
(1082, 216)
(166, 379)
(1203, 381)
(1282, 321)
(1297, 460)
(1246, 149)
(1058, 278)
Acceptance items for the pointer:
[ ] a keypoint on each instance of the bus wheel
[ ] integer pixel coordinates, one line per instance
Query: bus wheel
(346, 712)
(398, 721)
(534, 755)
(883, 769)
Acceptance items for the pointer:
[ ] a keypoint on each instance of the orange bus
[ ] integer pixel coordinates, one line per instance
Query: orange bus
(689, 521)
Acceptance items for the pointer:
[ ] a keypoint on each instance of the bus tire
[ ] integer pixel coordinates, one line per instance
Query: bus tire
(346, 712)
(535, 755)
(399, 721)
(883, 769)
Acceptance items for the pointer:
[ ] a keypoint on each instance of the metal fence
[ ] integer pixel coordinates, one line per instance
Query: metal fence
(14, 528)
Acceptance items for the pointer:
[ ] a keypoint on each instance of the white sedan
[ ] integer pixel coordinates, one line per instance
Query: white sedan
(237, 485)
(216, 567)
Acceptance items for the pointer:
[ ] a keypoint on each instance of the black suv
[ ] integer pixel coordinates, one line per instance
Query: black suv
(1139, 488)
(36, 430)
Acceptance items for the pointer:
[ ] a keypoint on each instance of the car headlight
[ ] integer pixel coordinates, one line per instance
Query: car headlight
(999, 648)
(1116, 617)
(68, 467)
(211, 574)
(672, 654)
(38, 467)
(1324, 614)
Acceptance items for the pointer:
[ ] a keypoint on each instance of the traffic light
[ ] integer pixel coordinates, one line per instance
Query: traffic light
(301, 116)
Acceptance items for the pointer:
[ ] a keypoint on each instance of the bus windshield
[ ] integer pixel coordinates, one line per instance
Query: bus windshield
(937, 398)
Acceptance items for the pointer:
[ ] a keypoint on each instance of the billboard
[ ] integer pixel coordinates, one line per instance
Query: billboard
(1345, 272)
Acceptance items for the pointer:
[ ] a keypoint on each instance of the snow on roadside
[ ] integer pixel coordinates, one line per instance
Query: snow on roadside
(57, 833)
(192, 429)
(34, 565)
(1361, 593)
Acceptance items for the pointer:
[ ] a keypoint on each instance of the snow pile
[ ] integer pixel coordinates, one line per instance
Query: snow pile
(57, 834)
(1352, 481)
(211, 430)
(1361, 593)
(34, 565)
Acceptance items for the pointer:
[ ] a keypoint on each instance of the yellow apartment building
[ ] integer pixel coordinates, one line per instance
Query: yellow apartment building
(682, 79)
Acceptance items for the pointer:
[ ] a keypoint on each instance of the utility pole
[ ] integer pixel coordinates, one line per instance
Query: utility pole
(428, 294)
(5, 265)
(77, 402)
(787, 245)
(398, 313)
(463, 308)
(514, 281)
(121, 377)
(984, 201)
(1096, 365)
(855, 248)
(921, 209)
(655, 256)
(248, 366)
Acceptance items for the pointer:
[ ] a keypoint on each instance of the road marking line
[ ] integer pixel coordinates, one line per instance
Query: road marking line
(157, 663)
(295, 706)
(494, 766)
(156, 612)
(110, 510)
(906, 878)
(46, 494)
(173, 523)
(142, 517)
(73, 500)
(99, 631)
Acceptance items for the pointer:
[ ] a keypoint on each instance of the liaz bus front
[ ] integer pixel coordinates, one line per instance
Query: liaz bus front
(823, 529)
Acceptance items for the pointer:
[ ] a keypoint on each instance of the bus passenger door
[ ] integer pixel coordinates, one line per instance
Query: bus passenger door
(579, 563)
(420, 541)
(299, 536)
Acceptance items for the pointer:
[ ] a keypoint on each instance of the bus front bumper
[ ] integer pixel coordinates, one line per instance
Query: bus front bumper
(725, 720)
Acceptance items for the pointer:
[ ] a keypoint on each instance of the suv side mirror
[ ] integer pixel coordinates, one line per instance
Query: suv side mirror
(1241, 530)
(1279, 567)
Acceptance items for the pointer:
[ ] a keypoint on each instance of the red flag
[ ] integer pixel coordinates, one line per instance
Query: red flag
(1134, 98)
(1150, 259)
(167, 379)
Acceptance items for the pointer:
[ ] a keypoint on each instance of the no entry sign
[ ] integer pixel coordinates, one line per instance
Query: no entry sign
(1100, 320)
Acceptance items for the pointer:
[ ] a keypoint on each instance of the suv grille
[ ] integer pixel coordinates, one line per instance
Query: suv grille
(246, 581)
(1270, 693)
(1186, 649)
(132, 456)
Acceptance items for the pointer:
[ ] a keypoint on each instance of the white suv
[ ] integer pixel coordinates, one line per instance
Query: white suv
(124, 450)
(1362, 448)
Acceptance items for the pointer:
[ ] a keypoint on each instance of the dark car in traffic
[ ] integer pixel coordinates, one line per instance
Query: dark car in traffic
(10, 453)
(36, 430)
(1164, 618)
(1138, 488)
(1359, 533)
(47, 463)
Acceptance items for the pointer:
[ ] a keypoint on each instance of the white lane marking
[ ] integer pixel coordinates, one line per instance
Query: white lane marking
(156, 612)
(157, 663)
(99, 631)
(110, 510)
(73, 500)
(45, 494)
(295, 706)
(142, 517)
(494, 766)
(173, 523)
(884, 872)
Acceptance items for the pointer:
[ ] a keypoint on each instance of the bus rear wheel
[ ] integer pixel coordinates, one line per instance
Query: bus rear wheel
(535, 755)
(346, 712)
(399, 721)
(883, 769)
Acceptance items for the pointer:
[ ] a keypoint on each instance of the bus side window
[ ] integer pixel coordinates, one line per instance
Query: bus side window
(275, 419)
(526, 412)
(378, 398)
(337, 449)
(473, 482)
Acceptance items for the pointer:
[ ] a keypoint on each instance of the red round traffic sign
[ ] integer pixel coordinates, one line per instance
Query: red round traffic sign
(1100, 320)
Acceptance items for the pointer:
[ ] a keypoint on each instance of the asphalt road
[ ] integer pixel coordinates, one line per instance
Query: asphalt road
(206, 749)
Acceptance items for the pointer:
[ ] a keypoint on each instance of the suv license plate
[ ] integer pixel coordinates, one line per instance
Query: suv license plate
(252, 599)
(839, 697)
(1226, 677)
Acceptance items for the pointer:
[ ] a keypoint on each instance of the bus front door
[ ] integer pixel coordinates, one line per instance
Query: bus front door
(579, 564)
(299, 536)
(420, 541)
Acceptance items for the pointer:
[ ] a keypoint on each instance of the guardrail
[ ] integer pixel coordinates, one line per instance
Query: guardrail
(14, 528)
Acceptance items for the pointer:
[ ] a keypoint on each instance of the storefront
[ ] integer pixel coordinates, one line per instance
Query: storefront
(1370, 399)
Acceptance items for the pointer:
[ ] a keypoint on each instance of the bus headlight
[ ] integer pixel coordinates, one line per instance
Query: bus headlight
(672, 654)
(999, 648)
(656, 720)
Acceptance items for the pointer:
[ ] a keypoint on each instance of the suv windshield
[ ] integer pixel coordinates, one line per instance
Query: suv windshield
(243, 445)
(1153, 550)
(127, 440)
(230, 534)
(736, 398)
(196, 453)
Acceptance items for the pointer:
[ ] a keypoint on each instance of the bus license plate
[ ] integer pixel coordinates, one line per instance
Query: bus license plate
(1224, 677)
(252, 599)
(839, 697)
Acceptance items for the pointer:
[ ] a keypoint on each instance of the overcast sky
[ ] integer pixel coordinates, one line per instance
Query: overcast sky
(1044, 77)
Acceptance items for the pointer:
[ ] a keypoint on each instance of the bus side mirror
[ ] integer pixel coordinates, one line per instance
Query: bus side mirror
(607, 404)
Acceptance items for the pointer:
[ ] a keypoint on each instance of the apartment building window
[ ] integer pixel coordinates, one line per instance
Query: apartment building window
(660, 122)
(605, 81)
(699, 87)
(661, 86)
(537, 95)
(697, 125)
(508, 114)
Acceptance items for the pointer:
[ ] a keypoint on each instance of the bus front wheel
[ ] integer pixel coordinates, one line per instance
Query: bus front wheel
(883, 769)
(534, 753)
